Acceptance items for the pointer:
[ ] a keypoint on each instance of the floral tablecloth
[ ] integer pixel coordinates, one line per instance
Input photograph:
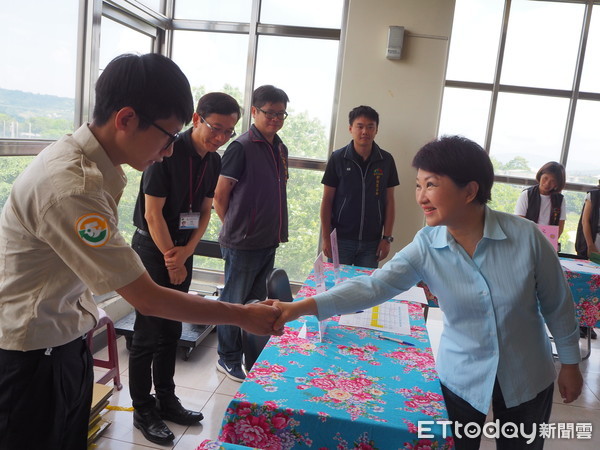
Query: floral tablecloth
(584, 281)
(350, 391)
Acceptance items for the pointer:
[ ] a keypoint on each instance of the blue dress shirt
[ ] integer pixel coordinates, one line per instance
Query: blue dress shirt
(494, 306)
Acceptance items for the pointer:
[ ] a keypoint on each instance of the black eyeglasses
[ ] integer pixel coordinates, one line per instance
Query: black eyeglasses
(272, 115)
(226, 133)
(172, 137)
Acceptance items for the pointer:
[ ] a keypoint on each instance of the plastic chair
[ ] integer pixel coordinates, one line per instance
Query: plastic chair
(112, 364)
(278, 286)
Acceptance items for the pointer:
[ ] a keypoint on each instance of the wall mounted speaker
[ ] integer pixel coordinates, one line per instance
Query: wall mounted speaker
(395, 41)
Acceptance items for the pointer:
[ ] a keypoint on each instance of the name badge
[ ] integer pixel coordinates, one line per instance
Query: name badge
(189, 221)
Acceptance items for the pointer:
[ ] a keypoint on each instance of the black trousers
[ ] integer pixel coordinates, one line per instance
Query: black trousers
(45, 397)
(529, 415)
(154, 344)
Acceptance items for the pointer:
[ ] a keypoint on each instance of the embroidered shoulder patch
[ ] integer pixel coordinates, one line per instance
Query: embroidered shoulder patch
(93, 229)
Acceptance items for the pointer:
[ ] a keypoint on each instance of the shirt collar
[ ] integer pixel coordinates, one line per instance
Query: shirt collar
(491, 230)
(115, 179)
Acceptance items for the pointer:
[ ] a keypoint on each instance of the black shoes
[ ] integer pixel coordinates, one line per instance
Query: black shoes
(583, 331)
(152, 426)
(174, 412)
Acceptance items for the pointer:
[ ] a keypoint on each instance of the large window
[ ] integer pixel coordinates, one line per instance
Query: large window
(233, 49)
(528, 93)
(232, 46)
(37, 74)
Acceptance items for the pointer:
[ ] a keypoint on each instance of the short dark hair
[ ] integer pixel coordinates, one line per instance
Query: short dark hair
(151, 84)
(555, 169)
(218, 103)
(268, 94)
(365, 111)
(462, 160)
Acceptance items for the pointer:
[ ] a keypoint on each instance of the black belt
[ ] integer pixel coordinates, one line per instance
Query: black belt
(143, 232)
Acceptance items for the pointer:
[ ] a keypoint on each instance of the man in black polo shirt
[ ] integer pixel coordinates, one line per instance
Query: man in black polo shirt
(358, 195)
(171, 215)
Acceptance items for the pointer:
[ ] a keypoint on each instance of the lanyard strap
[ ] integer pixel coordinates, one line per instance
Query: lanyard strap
(192, 190)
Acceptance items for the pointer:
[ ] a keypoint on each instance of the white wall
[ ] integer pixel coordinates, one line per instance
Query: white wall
(406, 93)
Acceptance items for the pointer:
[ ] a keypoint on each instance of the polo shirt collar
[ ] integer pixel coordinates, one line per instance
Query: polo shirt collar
(115, 179)
(351, 152)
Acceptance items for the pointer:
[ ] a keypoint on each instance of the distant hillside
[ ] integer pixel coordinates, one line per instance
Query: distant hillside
(24, 105)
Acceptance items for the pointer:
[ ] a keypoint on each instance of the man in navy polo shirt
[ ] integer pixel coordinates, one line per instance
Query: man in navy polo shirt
(358, 195)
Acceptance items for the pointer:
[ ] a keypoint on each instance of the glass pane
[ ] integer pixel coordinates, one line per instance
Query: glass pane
(305, 69)
(152, 4)
(127, 202)
(583, 162)
(304, 195)
(10, 168)
(226, 11)
(541, 44)
(504, 198)
(474, 41)
(465, 112)
(308, 13)
(590, 78)
(37, 74)
(116, 39)
(528, 132)
(221, 66)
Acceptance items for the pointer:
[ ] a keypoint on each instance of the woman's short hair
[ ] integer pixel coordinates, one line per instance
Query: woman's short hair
(462, 160)
(555, 169)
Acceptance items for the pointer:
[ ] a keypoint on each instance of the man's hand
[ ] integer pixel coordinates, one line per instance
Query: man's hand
(570, 382)
(259, 318)
(591, 249)
(383, 249)
(293, 310)
(176, 257)
(327, 247)
(177, 275)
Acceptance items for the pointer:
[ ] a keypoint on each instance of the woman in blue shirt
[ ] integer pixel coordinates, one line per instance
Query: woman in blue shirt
(498, 281)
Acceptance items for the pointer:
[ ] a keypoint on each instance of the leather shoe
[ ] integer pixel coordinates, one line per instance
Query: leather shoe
(152, 426)
(174, 412)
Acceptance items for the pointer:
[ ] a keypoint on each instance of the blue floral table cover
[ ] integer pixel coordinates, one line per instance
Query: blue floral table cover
(350, 391)
(585, 286)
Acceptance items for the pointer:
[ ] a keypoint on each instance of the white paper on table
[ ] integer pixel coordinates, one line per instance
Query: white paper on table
(389, 316)
(415, 294)
(575, 265)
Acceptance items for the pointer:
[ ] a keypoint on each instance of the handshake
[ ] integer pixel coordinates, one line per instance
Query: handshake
(270, 316)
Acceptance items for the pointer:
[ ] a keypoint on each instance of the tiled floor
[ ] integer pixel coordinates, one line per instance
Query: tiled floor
(201, 387)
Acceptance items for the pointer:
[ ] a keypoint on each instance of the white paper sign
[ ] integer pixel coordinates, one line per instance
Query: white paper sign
(319, 271)
(389, 316)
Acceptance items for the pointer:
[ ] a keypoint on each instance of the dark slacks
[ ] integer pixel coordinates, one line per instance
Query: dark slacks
(246, 273)
(531, 414)
(153, 349)
(45, 399)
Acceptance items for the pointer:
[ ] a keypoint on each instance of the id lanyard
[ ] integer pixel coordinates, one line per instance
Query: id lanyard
(191, 219)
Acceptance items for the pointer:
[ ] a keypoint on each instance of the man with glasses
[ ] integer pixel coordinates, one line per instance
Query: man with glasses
(251, 201)
(171, 214)
(59, 241)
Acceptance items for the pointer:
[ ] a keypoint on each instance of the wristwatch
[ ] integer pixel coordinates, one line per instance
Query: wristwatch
(390, 239)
